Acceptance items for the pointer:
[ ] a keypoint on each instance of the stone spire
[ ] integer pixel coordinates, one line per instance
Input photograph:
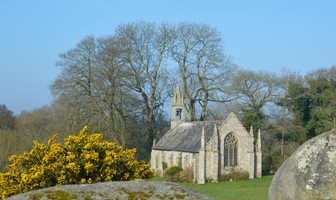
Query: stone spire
(251, 131)
(215, 130)
(177, 115)
(178, 98)
(154, 142)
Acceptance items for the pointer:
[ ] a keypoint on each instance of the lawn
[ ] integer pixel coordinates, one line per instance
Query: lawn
(256, 189)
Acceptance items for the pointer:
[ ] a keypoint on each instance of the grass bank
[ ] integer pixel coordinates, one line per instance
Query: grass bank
(256, 189)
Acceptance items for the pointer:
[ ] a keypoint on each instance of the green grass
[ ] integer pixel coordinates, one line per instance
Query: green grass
(255, 189)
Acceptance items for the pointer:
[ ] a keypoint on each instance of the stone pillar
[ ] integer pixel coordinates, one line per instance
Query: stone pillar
(195, 167)
(201, 161)
(153, 158)
(251, 168)
(215, 164)
(259, 157)
(160, 160)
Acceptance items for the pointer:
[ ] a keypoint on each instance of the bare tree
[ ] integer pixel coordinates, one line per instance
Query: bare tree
(255, 90)
(76, 78)
(144, 67)
(204, 70)
(89, 83)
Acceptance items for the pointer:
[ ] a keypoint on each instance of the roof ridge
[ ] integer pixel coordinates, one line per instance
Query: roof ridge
(217, 120)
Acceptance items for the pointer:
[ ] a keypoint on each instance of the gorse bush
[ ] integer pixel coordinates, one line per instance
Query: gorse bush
(82, 159)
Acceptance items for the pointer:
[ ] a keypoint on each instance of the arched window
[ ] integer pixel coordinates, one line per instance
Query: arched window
(230, 150)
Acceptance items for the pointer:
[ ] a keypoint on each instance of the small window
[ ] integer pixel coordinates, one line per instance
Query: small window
(178, 114)
(230, 150)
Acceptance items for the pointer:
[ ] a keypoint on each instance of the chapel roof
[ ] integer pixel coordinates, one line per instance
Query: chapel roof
(186, 136)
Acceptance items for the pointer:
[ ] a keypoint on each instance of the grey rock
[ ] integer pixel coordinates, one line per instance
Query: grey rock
(113, 190)
(309, 173)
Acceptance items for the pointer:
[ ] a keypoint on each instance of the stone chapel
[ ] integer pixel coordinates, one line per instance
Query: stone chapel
(210, 148)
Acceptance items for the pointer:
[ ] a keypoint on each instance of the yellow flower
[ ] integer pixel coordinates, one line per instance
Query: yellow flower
(80, 156)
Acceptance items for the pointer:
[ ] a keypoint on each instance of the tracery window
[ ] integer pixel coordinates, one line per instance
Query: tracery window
(230, 150)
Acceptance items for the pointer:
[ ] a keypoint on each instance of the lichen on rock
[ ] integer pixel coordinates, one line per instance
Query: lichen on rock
(309, 173)
(136, 190)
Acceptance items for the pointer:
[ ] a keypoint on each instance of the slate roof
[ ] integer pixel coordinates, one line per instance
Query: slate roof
(186, 137)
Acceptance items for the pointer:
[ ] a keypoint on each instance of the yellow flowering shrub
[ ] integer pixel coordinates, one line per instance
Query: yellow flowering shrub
(82, 159)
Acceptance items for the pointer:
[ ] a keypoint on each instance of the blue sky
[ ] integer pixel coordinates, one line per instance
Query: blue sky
(259, 35)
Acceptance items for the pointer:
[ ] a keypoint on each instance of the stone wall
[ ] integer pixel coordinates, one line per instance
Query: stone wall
(172, 158)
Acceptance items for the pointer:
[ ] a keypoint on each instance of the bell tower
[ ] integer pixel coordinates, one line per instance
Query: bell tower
(177, 115)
